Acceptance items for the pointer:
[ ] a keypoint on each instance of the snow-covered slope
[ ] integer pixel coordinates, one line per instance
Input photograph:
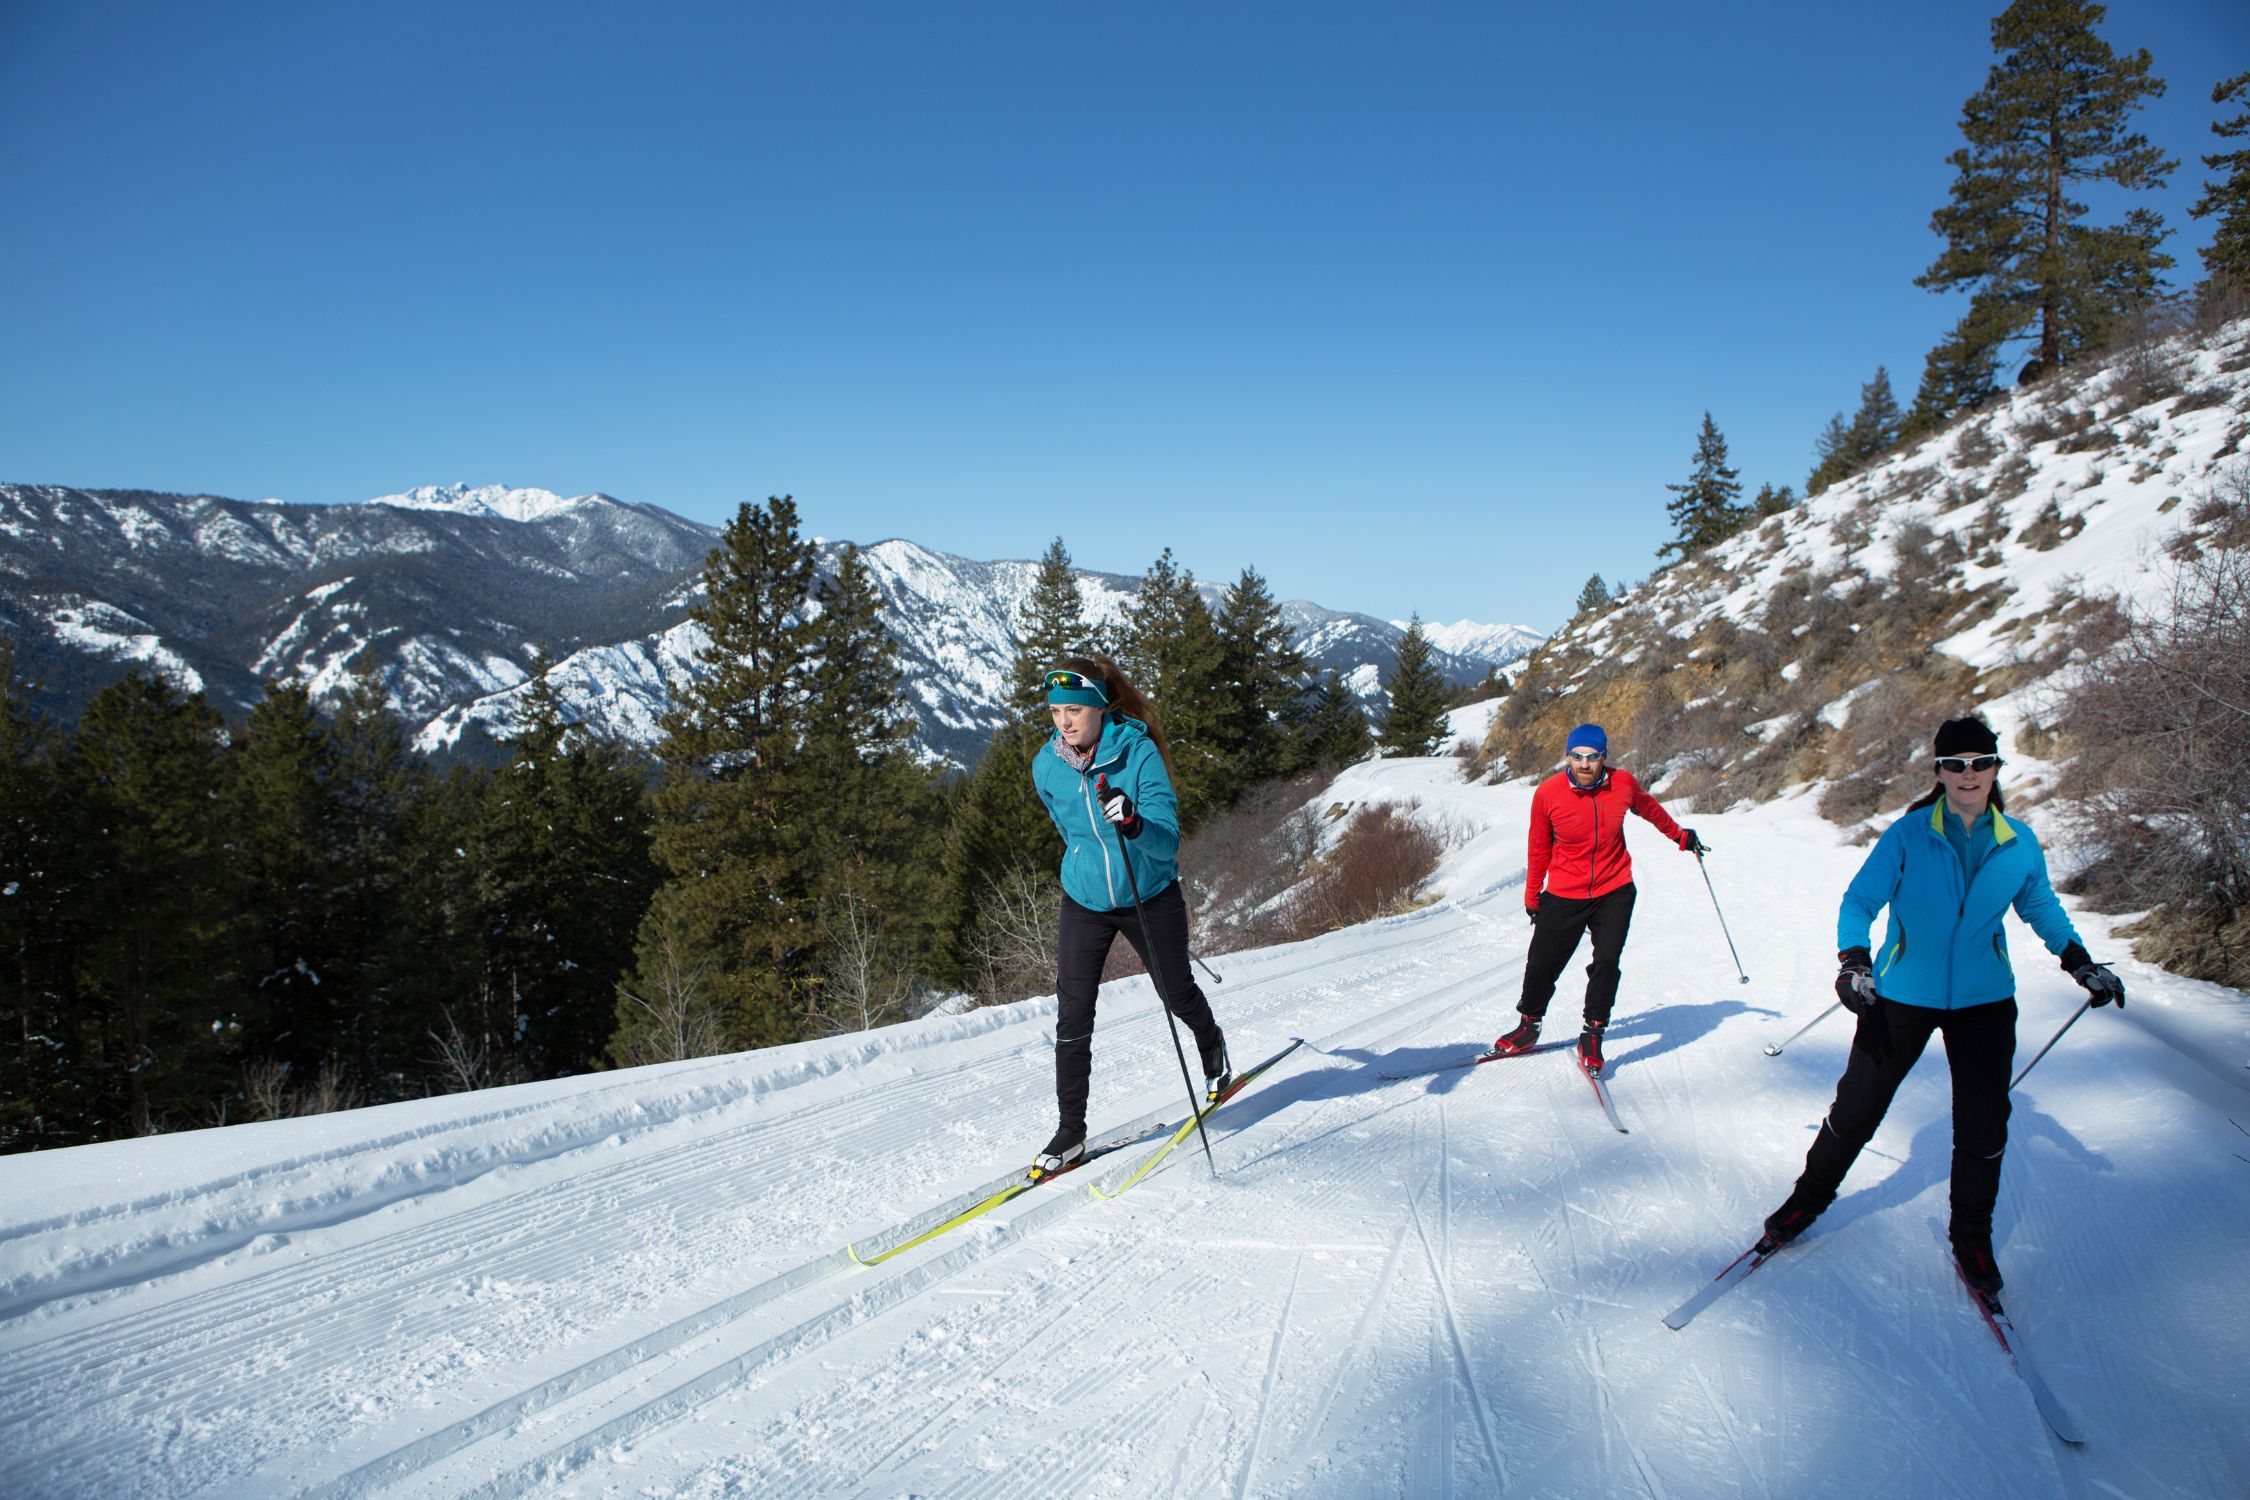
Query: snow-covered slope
(501, 501)
(635, 1283)
(1496, 644)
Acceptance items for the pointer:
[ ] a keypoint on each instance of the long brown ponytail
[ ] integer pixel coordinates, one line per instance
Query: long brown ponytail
(1124, 698)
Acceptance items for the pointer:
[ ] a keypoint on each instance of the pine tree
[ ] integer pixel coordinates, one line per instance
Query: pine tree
(563, 875)
(2053, 114)
(1050, 625)
(1708, 507)
(1961, 372)
(1845, 450)
(879, 838)
(734, 828)
(157, 973)
(1173, 653)
(2227, 258)
(1330, 729)
(290, 870)
(44, 1052)
(1263, 672)
(1831, 455)
(1414, 720)
(1593, 596)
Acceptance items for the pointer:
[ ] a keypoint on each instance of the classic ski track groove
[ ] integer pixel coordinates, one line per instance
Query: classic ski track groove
(509, 1241)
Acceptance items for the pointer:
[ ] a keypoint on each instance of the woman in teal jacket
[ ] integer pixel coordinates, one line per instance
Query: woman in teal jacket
(1949, 871)
(1105, 778)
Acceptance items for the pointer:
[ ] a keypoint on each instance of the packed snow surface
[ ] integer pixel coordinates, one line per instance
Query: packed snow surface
(636, 1284)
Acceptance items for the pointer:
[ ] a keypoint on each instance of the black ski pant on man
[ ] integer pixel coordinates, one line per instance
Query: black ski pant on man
(1980, 1048)
(1561, 922)
(1081, 949)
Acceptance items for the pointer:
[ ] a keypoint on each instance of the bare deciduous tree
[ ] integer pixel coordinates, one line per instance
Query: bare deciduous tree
(1012, 948)
(680, 1021)
(862, 983)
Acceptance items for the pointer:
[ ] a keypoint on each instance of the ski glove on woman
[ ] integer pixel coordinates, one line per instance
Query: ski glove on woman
(1119, 809)
(2100, 984)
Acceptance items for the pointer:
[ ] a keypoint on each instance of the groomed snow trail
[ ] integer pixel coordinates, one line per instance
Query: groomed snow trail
(1447, 1285)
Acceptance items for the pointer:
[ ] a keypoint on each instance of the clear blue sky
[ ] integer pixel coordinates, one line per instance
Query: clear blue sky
(1411, 306)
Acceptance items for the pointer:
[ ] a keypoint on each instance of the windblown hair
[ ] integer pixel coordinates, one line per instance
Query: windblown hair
(1124, 698)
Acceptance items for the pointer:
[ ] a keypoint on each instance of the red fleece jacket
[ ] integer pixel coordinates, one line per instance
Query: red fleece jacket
(1578, 835)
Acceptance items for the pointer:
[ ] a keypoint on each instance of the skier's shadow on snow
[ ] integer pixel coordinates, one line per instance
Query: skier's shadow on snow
(1667, 1028)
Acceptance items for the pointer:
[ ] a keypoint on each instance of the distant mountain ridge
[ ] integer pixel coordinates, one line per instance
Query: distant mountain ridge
(457, 588)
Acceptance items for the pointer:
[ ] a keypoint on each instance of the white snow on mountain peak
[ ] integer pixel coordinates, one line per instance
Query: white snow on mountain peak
(1478, 641)
(504, 502)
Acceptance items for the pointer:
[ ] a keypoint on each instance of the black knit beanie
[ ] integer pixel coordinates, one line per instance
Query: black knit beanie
(1967, 737)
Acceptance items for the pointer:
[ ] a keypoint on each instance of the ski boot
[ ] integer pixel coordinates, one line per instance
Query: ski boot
(1793, 1218)
(1973, 1254)
(1218, 1071)
(1590, 1048)
(1522, 1039)
(1065, 1151)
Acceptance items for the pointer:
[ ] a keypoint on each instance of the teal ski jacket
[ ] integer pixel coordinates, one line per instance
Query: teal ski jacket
(1944, 946)
(1091, 873)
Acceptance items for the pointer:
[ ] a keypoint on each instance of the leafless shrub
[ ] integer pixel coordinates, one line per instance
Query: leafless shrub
(1975, 447)
(268, 1095)
(1012, 946)
(676, 1022)
(2162, 773)
(463, 1059)
(864, 983)
(2012, 478)
(1378, 867)
(1880, 759)
(2050, 528)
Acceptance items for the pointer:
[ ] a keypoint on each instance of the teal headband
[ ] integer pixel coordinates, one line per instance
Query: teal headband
(1066, 686)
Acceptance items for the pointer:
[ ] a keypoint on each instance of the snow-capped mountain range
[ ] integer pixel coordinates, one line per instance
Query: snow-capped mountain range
(456, 589)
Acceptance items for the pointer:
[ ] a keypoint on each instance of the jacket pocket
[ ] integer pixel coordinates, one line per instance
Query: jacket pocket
(1898, 951)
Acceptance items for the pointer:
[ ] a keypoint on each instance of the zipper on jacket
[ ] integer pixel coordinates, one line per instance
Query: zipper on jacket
(1086, 790)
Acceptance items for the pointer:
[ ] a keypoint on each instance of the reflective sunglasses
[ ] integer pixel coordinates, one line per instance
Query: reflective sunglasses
(1585, 760)
(1959, 763)
(1069, 681)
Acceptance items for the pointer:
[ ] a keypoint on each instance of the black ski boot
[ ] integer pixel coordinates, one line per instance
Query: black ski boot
(1065, 1151)
(1793, 1217)
(1218, 1071)
(1522, 1039)
(1973, 1254)
(1590, 1048)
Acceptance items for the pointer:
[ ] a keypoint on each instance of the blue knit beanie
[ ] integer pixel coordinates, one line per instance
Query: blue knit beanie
(1588, 737)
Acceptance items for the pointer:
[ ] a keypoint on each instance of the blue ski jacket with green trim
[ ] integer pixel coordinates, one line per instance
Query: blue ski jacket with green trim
(1944, 946)
(1091, 873)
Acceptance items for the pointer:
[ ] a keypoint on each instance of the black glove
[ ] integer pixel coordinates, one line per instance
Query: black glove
(1531, 908)
(1855, 982)
(1690, 844)
(2100, 984)
(1118, 808)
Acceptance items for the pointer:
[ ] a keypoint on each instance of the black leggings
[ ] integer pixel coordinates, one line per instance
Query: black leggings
(1080, 951)
(1980, 1047)
(1562, 921)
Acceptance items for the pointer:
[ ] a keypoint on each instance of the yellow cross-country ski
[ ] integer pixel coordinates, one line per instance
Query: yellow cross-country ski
(1150, 1162)
(1012, 1188)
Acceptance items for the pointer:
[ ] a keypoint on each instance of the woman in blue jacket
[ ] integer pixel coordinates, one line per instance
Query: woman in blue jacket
(1949, 871)
(1105, 777)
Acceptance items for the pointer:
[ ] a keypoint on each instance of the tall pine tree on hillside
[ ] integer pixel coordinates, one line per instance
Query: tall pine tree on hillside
(2227, 258)
(733, 829)
(1414, 719)
(1708, 508)
(1845, 450)
(156, 968)
(1050, 625)
(880, 836)
(1961, 371)
(2054, 115)
(40, 1096)
(1264, 673)
(1329, 730)
(1173, 653)
(1592, 596)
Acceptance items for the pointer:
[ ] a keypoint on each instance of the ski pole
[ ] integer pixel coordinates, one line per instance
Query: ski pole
(1206, 968)
(1833, 1007)
(1156, 980)
(2073, 1021)
(1722, 919)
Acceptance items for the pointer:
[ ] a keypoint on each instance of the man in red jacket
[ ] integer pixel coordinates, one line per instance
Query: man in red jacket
(1578, 856)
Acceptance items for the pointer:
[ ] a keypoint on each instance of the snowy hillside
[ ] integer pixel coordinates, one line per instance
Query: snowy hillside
(1492, 643)
(1973, 566)
(636, 1283)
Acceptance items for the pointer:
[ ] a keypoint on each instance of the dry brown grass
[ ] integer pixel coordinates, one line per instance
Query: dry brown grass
(1377, 869)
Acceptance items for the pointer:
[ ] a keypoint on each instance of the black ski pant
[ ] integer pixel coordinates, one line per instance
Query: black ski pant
(1980, 1048)
(1561, 922)
(1082, 947)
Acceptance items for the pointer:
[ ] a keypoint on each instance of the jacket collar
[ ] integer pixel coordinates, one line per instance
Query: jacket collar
(2003, 832)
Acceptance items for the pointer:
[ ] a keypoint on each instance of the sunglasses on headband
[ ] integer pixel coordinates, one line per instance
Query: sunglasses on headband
(1069, 681)
(1959, 763)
